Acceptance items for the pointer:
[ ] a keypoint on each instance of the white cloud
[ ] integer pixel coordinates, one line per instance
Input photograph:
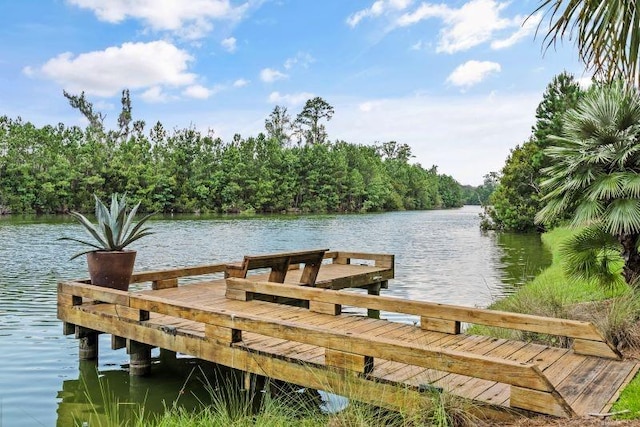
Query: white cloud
(154, 95)
(472, 72)
(229, 44)
(189, 19)
(132, 65)
(365, 107)
(528, 27)
(28, 71)
(425, 11)
(270, 75)
(378, 8)
(303, 59)
(474, 23)
(585, 82)
(417, 45)
(197, 92)
(241, 83)
(467, 136)
(290, 99)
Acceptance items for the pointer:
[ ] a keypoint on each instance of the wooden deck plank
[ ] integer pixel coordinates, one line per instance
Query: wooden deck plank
(633, 370)
(404, 373)
(563, 367)
(430, 338)
(473, 387)
(497, 394)
(594, 397)
(575, 383)
(382, 368)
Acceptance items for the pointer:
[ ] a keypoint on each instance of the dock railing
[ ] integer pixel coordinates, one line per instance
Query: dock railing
(587, 338)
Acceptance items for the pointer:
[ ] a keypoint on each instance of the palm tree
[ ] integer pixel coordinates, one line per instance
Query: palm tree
(595, 178)
(607, 34)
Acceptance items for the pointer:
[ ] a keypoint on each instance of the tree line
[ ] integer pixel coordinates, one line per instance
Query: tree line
(518, 192)
(581, 166)
(291, 167)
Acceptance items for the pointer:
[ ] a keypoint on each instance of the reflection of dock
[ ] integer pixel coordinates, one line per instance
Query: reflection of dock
(241, 322)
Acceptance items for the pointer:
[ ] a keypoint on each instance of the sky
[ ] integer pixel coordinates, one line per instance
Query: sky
(458, 81)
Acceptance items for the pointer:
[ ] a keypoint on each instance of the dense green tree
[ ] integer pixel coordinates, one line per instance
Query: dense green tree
(278, 125)
(80, 102)
(480, 195)
(516, 199)
(450, 192)
(308, 120)
(594, 177)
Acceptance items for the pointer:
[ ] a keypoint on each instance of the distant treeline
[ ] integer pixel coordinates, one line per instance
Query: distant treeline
(54, 169)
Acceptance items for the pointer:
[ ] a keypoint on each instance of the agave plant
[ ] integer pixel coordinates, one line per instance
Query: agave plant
(114, 229)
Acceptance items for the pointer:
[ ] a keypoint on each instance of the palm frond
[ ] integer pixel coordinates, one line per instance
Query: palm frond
(593, 254)
(606, 32)
(587, 212)
(632, 185)
(622, 216)
(607, 187)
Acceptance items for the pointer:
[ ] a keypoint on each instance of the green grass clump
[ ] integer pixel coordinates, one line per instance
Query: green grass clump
(629, 400)
(551, 293)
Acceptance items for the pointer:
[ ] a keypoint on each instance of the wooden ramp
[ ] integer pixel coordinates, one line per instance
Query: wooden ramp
(376, 361)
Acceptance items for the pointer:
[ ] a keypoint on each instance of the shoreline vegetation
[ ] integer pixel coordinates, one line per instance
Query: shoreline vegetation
(291, 167)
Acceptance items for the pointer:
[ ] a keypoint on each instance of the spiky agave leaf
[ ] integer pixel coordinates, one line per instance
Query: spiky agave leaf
(127, 223)
(137, 232)
(91, 229)
(114, 229)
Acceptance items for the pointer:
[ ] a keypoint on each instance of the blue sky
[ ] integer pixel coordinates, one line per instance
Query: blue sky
(458, 80)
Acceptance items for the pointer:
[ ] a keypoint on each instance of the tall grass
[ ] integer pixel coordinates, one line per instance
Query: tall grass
(230, 405)
(552, 293)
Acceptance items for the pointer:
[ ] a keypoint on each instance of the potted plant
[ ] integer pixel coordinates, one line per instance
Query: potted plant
(110, 264)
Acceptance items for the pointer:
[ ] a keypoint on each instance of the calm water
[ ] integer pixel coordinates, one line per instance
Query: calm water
(441, 256)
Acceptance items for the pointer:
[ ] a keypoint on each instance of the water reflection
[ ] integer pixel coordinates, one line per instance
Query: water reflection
(180, 381)
(522, 257)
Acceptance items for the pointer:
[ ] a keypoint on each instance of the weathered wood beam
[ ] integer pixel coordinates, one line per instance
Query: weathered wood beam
(491, 368)
(306, 375)
(198, 270)
(539, 324)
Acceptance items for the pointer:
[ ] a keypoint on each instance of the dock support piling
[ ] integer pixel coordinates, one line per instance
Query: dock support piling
(374, 289)
(139, 358)
(253, 387)
(87, 343)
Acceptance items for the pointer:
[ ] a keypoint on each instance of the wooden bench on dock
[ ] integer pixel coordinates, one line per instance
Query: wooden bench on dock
(377, 361)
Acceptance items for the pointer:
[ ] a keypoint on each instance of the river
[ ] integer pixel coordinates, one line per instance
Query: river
(441, 256)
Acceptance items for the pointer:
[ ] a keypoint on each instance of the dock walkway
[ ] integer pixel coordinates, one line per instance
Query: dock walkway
(230, 322)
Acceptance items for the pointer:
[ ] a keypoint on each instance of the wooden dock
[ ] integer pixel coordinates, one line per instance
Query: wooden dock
(242, 321)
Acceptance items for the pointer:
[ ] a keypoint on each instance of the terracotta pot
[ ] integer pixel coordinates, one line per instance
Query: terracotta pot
(111, 269)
